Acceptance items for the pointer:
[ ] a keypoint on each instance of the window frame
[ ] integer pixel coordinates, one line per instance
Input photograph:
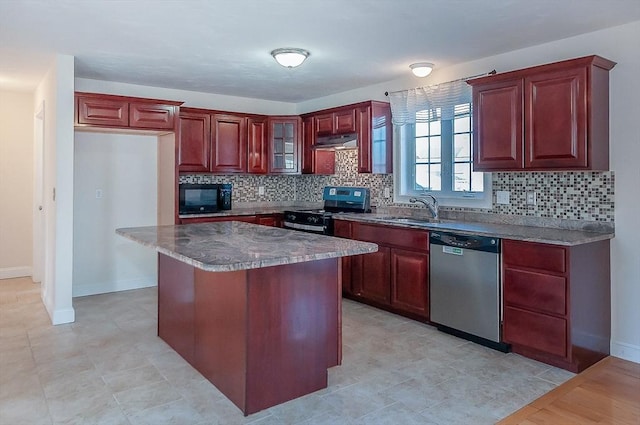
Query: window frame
(404, 171)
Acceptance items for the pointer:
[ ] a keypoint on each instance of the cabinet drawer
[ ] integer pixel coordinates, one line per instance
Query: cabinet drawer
(144, 115)
(385, 235)
(538, 331)
(537, 291)
(534, 255)
(100, 111)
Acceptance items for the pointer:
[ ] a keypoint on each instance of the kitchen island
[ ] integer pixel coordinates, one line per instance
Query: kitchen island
(255, 309)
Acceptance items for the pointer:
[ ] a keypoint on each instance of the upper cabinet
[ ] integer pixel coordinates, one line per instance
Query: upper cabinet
(194, 141)
(284, 140)
(341, 121)
(127, 113)
(371, 121)
(221, 142)
(315, 161)
(549, 117)
(228, 143)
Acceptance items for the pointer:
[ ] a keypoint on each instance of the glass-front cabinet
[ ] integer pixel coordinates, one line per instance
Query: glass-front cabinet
(284, 145)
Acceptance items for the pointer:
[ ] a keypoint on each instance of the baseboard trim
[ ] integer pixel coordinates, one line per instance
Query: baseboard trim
(625, 351)
(63, 315)
(11, 272)
(80, 290)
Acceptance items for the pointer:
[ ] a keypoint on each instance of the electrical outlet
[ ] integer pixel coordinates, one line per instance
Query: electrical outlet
(502, 197)
(387, 192)
(98, 193)
(260, 190)
(531, 198)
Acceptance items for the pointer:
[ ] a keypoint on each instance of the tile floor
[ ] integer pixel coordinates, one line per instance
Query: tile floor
(109, 368)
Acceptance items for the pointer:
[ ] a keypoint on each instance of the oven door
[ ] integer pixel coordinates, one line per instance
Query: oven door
(306, 221)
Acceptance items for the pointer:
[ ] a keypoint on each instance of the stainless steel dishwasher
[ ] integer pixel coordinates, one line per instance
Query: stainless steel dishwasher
(464, 285)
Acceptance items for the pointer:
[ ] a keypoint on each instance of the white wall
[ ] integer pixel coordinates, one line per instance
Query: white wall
(56, 91)
(619, 44)
(16, 183)
(124, 168)
(190, 98)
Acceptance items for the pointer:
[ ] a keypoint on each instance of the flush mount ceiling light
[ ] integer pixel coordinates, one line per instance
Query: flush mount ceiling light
(290, 57)
(421, 69)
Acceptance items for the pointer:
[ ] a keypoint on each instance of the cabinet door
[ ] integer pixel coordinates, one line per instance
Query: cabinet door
(102, 112)
(345, 121)
(194, 142)
(410, 281)
(342, 229)
(556, 119)
(308, 140)
(228, 143)
(257, 133)
(497, 126)
(375, 285)
(284, 140)
(324, 124)
(364, 140)
(151, 116)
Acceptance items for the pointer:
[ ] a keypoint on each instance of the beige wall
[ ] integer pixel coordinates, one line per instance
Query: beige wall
(124, 169)
(16, 183)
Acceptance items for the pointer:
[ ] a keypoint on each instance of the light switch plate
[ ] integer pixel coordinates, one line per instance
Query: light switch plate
(260, 190)
(387, 192)
(502, 197)
(531, 198)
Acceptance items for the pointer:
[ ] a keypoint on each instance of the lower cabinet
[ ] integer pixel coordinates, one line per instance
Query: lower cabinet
(557, 302)
(274, 220)
(396, 278)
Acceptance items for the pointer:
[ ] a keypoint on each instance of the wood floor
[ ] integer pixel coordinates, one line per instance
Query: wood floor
(606, 393)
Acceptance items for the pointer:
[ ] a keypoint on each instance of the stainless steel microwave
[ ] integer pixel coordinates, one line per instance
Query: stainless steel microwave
(204, 198)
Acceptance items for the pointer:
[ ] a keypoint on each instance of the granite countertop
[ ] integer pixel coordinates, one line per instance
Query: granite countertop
(231, 245)
(548, 235)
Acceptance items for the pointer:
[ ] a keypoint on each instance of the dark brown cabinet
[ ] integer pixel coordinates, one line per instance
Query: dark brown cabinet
(409, 272)
(121, 112)
(548, 117)
(274, 220)
(228, 143)
(370, 120)
(257, 145)
(395, 278)
(194, 142)
(224, 143)
(315, 161)
(340, 121)
(557, 302)
(284, 140)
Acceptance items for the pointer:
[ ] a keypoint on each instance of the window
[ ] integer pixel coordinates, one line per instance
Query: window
(433, 151)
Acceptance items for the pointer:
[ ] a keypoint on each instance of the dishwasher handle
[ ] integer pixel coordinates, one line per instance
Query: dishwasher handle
(472, 242)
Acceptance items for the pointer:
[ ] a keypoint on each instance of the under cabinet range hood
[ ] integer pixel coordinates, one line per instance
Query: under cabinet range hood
(343, 141)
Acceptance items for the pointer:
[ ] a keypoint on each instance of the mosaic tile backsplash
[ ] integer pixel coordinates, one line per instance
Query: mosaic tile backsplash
(574, 195)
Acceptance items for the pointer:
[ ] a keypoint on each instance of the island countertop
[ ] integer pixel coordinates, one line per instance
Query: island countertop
(231, 245)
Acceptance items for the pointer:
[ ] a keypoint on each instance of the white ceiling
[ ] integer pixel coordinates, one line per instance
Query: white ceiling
(222, 46)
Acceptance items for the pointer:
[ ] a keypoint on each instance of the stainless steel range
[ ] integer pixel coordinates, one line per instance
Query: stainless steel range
(336, 199)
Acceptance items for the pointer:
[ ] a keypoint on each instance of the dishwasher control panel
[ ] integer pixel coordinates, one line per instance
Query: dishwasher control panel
(478, 243)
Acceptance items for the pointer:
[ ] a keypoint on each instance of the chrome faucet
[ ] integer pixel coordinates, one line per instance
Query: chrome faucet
(432, 205)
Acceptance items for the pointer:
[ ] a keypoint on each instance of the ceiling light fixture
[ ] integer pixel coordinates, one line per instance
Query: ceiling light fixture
(290, 57)
(421, 69)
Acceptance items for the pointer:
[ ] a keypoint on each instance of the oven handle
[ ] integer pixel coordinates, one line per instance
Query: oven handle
(307, 227)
